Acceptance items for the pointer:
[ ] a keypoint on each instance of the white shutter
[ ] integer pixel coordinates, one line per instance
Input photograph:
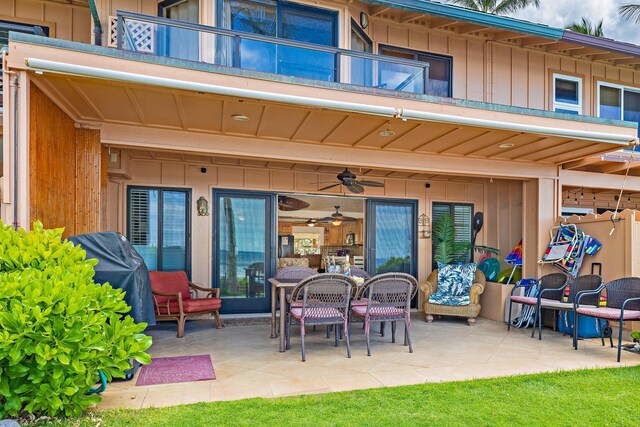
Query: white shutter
(139, 217)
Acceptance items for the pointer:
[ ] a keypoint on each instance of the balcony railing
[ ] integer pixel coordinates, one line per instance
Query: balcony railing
(249, 51)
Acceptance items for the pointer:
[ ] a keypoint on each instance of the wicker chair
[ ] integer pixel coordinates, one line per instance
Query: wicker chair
(550, 292)
(295, 273)
(470, 311)
(325, 301)
(359, 272)
(388, 300)
(623, 303)
(172, 298)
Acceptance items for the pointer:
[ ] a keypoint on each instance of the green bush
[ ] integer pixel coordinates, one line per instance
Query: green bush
(57, 327)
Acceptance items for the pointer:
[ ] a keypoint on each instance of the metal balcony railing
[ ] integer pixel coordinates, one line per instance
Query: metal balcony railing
(249, 51)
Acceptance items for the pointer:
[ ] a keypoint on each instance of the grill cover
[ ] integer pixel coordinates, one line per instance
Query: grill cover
(121, 266)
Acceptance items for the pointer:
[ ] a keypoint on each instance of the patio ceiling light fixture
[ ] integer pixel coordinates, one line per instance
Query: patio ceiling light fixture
(387, 132)
(240, 118)
(507, 145)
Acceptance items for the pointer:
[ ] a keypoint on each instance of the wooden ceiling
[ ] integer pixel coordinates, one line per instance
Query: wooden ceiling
(93, 101)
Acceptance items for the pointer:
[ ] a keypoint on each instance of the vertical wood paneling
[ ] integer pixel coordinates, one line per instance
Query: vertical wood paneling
(458, 49)
(66, 164)
(52, 163)
(501, 84)
(90, 180)
(399, 36)
(475, 71)
(519, 78)
(536, 81)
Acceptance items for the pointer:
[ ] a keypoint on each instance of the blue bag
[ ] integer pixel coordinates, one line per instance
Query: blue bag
(588, 327)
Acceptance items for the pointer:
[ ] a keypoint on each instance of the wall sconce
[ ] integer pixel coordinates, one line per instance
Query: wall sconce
(424, 226)
(203, 206)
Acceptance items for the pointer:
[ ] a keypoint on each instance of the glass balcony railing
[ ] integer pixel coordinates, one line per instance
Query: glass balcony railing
(249, 51)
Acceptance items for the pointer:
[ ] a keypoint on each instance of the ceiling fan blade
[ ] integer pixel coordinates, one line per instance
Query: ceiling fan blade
(354, 187)
(329, 186)
(286, 203)
(371, 183)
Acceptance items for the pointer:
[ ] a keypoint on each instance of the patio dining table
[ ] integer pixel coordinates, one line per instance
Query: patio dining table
(279, 288)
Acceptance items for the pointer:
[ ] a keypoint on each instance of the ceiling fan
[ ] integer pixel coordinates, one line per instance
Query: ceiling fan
(348, 179)
(286, 203)
(337, 218)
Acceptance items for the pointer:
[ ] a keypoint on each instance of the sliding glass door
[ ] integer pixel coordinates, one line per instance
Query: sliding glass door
(244, 224)
(391, 236)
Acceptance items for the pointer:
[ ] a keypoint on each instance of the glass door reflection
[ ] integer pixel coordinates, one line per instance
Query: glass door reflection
(242, 253)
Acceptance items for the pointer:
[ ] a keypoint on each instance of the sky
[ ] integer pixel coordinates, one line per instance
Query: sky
(561, 13)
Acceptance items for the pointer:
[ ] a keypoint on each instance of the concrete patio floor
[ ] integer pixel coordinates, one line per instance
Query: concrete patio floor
(247, 362)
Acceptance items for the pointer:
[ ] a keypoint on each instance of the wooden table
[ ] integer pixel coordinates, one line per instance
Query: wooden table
(281, 286)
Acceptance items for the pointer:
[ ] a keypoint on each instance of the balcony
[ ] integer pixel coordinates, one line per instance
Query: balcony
(255, 52)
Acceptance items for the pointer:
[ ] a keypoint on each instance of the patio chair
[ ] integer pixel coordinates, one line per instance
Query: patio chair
(469, 310)
(325, 301)
(359, 272)
(388, 299)
(550, 291)
(172, 298)
(298, 272)
(549, 298)
(623, 303)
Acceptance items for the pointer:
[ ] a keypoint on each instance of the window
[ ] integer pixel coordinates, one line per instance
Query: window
(283, 20)
(178, 42)
(618, 102)
(567, 94)
(6, 26)
(462, 214)
(410, 79)
(361, 72)
(158, 227)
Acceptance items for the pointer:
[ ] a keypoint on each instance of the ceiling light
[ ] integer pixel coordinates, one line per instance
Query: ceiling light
(240, 118)
(387, 132)
(311, 223)
(336, 222)
(507, 145)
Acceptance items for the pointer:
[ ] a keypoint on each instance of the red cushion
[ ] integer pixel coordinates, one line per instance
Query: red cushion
(169, 283)
(200, 305)
(608, 313)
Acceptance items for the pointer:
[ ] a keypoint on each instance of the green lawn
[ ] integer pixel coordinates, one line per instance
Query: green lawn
(578, 398)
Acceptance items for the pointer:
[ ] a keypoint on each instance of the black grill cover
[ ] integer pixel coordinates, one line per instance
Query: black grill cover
(121, 266)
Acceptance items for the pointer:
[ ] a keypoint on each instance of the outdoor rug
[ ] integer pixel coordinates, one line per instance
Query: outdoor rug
(179, 369)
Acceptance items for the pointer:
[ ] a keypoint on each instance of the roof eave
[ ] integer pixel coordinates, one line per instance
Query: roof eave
(472, 16)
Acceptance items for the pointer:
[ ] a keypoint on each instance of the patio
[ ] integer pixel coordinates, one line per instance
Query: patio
(247, 362)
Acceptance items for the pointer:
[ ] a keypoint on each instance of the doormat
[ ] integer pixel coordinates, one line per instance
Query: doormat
(179, 369)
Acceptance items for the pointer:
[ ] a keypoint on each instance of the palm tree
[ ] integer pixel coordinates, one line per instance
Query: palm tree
(630, 12)
(587, 27)
(498, 7)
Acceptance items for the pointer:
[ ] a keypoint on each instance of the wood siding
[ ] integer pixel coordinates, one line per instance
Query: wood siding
(65, 163)
(65, 21)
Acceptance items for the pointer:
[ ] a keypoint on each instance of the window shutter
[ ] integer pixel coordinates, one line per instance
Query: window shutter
(462, 218)
(139, 217)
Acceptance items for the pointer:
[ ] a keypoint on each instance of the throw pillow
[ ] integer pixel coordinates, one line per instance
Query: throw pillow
(456, 279)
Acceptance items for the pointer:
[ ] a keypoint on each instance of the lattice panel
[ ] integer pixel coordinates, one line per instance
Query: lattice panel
(140, 36)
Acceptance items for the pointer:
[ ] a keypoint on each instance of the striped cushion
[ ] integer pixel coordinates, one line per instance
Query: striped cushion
(608, 313)
(316, 313)
(361, 311)
(524, 300)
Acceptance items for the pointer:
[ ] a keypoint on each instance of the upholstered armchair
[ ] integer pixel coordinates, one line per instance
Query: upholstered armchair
(470, 311)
